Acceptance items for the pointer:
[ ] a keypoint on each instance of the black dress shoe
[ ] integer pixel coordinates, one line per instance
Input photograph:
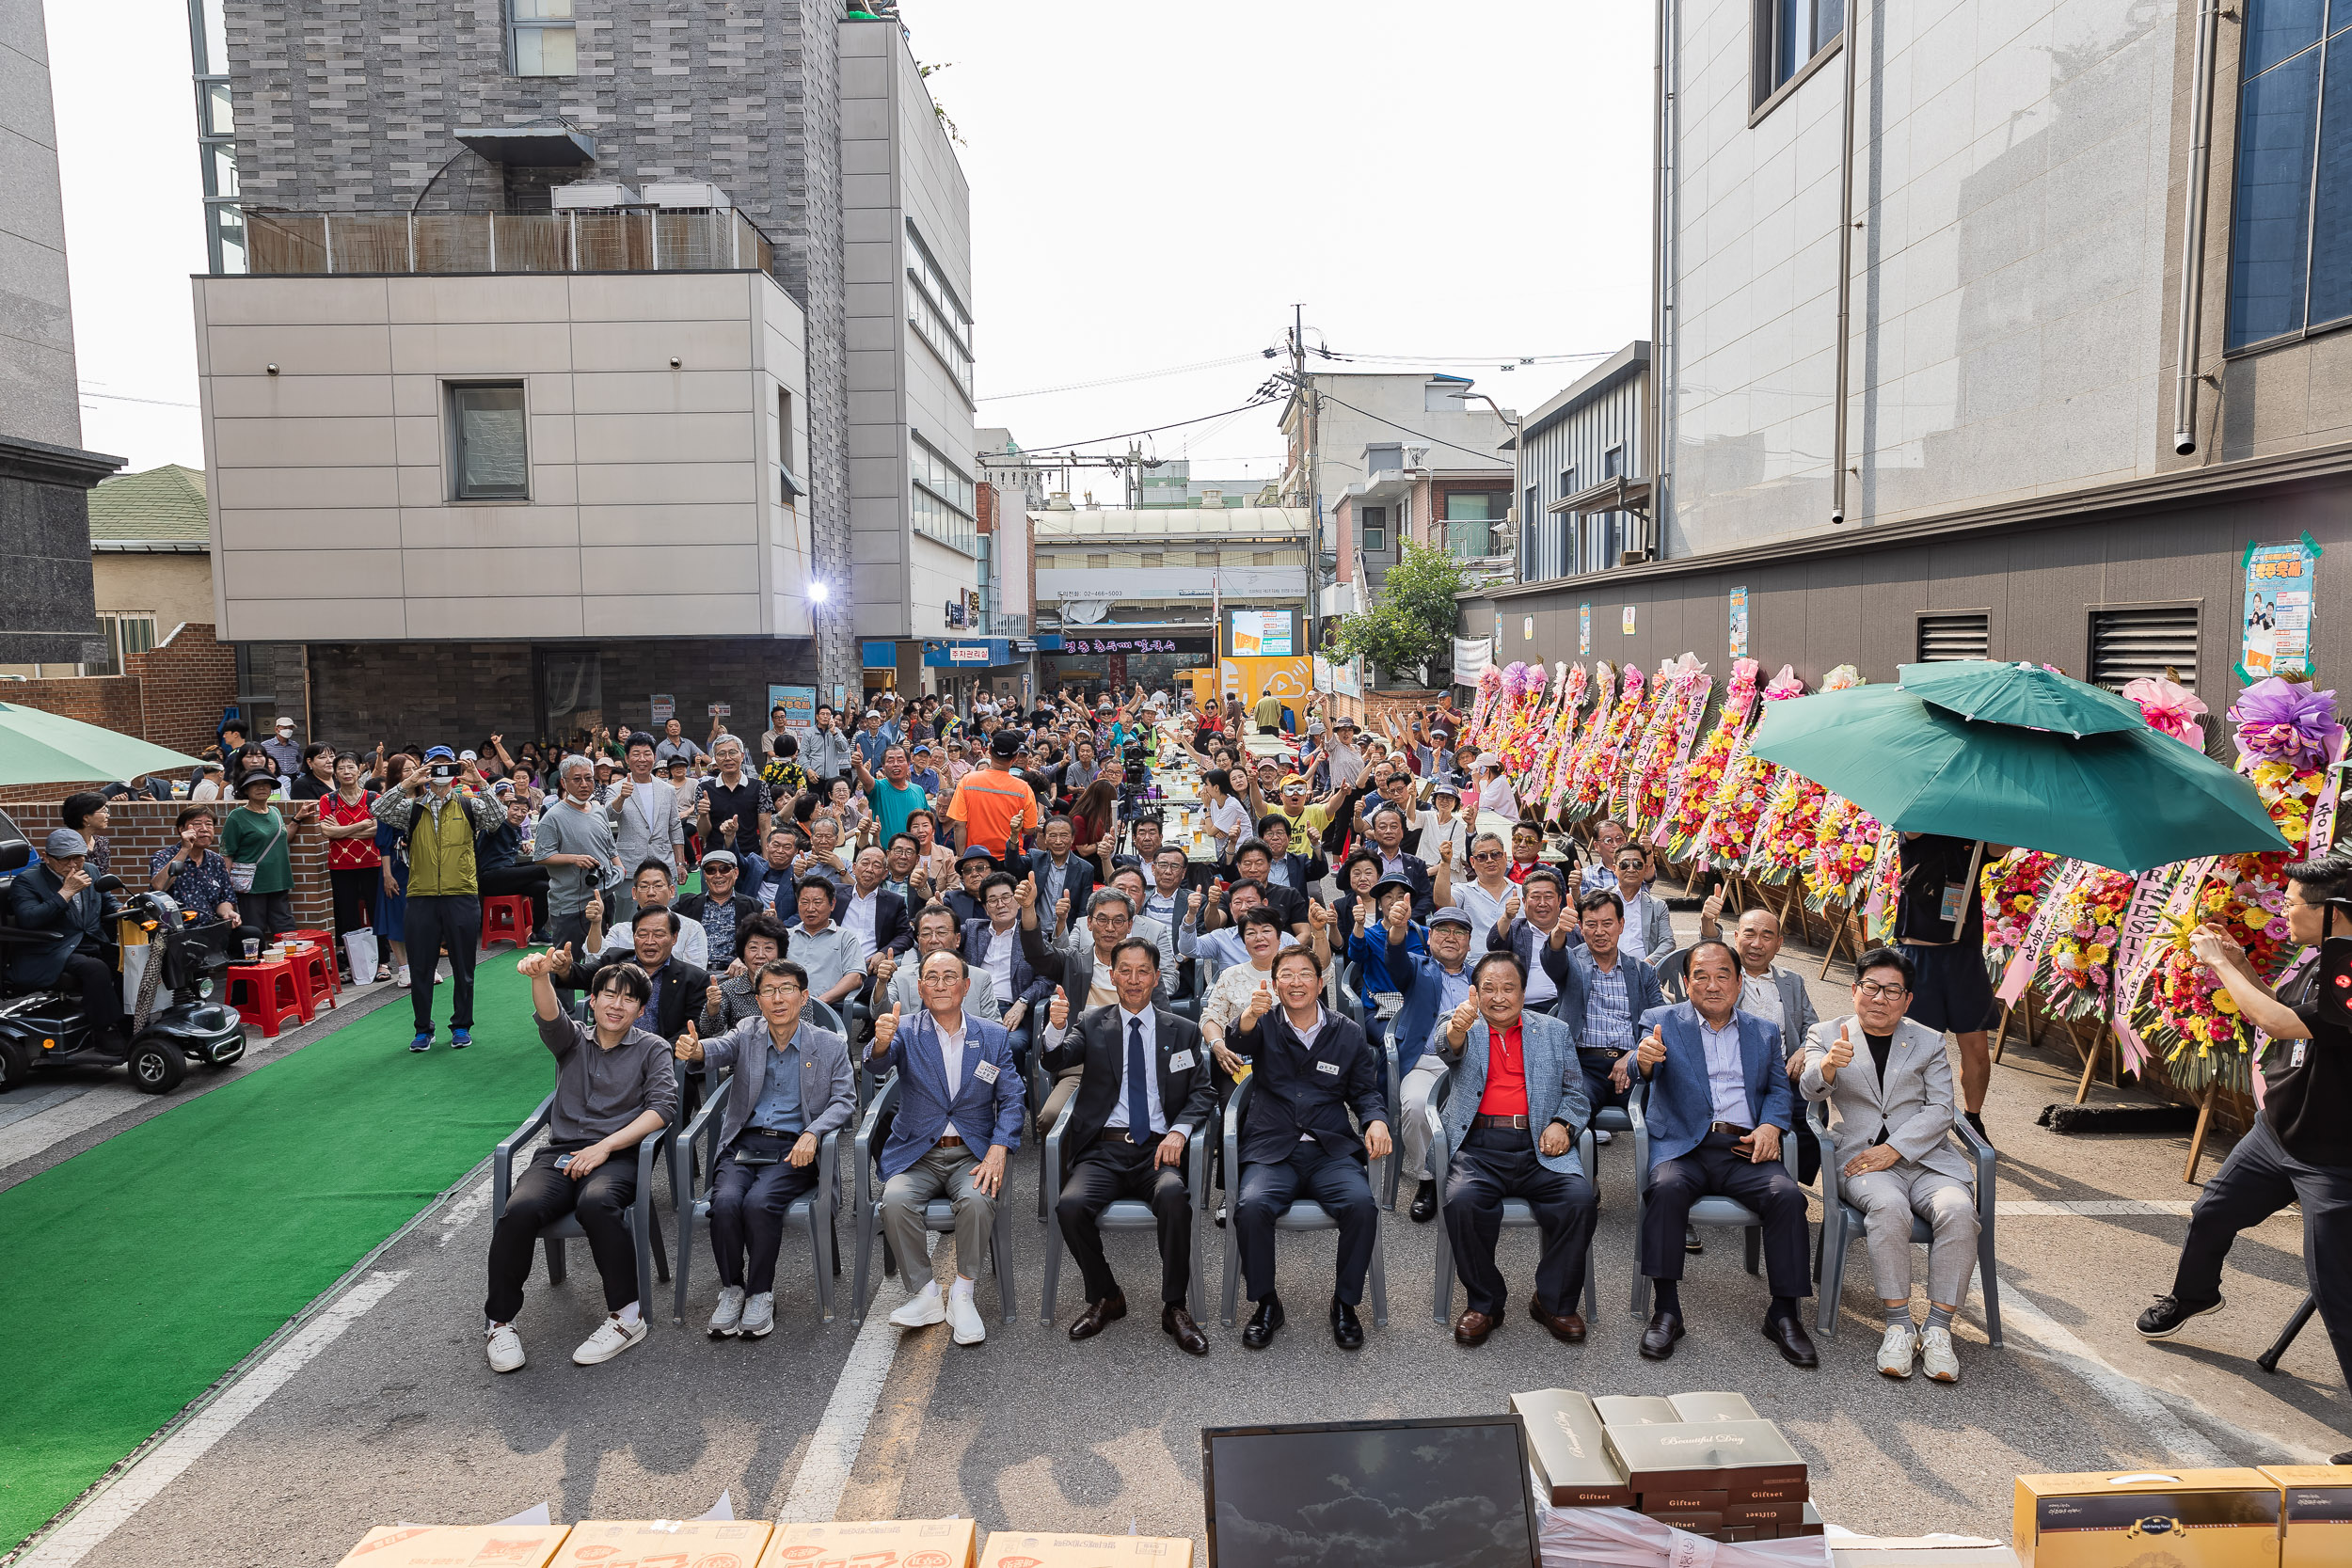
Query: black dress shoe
(1424, 1203)
(1789, 1336)
(1691, 1239)
(1177, 1325)
(1098, 1316)
(1346, 1332)
(1658, 1339)
(1263, 1323)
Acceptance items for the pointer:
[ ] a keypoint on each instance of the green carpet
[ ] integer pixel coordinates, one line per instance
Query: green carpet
(140, 1270)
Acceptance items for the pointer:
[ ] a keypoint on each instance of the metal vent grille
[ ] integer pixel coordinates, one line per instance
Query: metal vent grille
(2126, 645)
(1966, 635)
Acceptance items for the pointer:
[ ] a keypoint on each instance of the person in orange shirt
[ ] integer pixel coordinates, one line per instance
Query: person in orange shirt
(993, 806)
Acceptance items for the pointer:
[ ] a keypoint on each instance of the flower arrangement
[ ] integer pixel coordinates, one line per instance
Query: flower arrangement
(2169, 708)
(1596, 768)
(1570, 683)
(1883, 892)
(1588, 726)
(1673, 727)
(2076, 969)
(2013, 888)
(1483, 707)
(1522, 732)
(1785, 837)
(1737, 808)
(1845, 851)
(1684, 814)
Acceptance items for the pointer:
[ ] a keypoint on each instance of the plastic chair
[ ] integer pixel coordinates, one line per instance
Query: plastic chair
(315, 978)
(938, 1215)
(644, 1221)
(334, 946)
(801, 1215)
(1304, 1213)
(1394, 1176)
(1711, 1210)
(1842, 1223)
(507, 918)
(1672, 971)
(272, 995)
(1127, 1214)
(1517, 1214)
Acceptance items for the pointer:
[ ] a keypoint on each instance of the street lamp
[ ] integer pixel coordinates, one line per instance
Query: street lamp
(1509, 543)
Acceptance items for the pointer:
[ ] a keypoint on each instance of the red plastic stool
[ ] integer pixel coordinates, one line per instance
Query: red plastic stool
(333, 952)
(315, 978)
(506, 919)
(272, 995)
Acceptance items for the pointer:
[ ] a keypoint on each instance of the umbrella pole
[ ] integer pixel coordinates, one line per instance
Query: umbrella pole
(2197, 1140)
(2090, 1062)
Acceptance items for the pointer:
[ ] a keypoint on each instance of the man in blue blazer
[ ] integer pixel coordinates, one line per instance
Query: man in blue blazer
(958, 1090)
(1433, 984)
(1718, 1104)
(1511, 1120)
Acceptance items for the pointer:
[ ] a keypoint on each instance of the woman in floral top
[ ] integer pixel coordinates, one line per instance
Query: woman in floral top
(784, 775)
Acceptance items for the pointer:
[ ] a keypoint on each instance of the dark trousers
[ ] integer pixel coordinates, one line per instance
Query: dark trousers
(1335, 1180)
(1496, 1162)
(270, 913)
(1599, 1088)
(455, 920)
(2259, 1179)
(1110, 1169)
(543, 1195)
(355, 903)
(747, 1208)
(100, 988)
(1715, 1168)
(518, 881)
(573, 928)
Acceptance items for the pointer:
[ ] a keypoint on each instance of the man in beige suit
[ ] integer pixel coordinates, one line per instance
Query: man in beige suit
(1889, 1088)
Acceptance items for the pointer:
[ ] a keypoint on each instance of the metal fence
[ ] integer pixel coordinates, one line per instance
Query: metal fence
(282, 242)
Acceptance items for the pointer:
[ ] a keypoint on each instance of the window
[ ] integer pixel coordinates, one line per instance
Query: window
(942, 498)
(1384, 457)
(1375, 521)
(1152, 558)
(784, 430)
(540, 39)
(125, 635)
(936, 314)
(489, 452)
(2145, 640)
(216, 129)
(1471, 516)
(1788, 34)
(1963, 634)
(1437, 397)
(1613, 462)
(1099, 561)
(1567, 482)
(2290, 240)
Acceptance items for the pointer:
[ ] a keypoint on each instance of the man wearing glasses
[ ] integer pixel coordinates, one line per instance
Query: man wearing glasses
(1490, 898)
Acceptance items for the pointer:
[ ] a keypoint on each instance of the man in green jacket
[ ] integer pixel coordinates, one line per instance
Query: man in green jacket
(441, 805)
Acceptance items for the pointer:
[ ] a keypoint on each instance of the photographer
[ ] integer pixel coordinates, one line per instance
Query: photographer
(438, 809)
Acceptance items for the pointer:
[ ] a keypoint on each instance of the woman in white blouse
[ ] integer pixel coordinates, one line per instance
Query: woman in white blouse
(1444, 831)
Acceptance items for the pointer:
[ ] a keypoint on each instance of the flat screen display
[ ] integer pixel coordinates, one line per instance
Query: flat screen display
(1262, 633)
(1431, 1494)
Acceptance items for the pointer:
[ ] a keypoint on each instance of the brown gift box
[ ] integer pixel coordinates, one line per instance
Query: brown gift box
(1749, 1460)
(1713, 1407)
(1570, 1452)
(1697, 1523)
(873, 1543)
(2317, 1502)
(594, 1542)
(2192, 1518)
(1037, 1549)
(457, 1547)
(1685, 1500)
(1763, 1512)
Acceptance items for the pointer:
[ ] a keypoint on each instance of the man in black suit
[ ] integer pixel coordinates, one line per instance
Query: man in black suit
(1064, 879)
(679, 989)
(1310, 1067)
(1128, 1129)
(879, 920)
(1252, 863)
(1386, 825)
(721, 908)
(1084, 972)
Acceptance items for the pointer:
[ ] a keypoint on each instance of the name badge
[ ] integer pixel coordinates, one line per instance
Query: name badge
(985, 1072)
(1178, 1063)
(1955, 902)
(2294, 1058)
(1331, 1068)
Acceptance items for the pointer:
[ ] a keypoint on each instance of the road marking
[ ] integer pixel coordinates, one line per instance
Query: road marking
(32, 1105)
(833, 1448)
(465, 1212)
(2093, 1208)
(39, 1133)
(105, 1514)
(2181, 1443)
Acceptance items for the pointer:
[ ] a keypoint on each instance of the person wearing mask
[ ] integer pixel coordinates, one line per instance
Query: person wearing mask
(790, 1085)
(71, 924)
(732, 808)
(500, 868)
(721, 908)
(1433, 983)
(615, 1087)
(1649, 930)
(285, 758)
(645, 820)
(255, 835)
(1776, 995)
(438, 810)
(651, 889)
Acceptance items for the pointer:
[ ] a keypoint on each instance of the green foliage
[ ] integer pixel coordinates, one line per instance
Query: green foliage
(1410, 620)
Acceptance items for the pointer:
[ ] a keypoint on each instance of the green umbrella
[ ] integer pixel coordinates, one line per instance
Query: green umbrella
(2022, 694)
(2127, 799)
(44, 748)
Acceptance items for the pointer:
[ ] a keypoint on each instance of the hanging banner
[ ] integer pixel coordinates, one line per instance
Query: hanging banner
(1739, 623)
(2277, 637)
(1628, 620)
(1584, 627)
(1472, 656)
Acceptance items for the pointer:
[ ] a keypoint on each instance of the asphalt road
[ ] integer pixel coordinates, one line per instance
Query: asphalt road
(399, 1419)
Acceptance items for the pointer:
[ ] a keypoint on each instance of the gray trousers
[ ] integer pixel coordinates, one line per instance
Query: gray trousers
(947, 1172)
(1412, 1123)
(1888, 1199)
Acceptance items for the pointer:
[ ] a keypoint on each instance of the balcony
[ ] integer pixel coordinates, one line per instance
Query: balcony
(377, 244)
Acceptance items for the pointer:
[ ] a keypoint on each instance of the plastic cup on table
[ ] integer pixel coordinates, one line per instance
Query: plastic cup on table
(252, 948)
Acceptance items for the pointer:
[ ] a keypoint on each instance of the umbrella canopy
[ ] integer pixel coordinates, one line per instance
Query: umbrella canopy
(2127, 799)
(2025, 694)
(45, 748)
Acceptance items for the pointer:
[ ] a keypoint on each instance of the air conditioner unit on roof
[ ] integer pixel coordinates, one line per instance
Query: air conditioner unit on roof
(593, 195)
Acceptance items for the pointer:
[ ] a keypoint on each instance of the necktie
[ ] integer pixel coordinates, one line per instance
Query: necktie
(1138, 1103)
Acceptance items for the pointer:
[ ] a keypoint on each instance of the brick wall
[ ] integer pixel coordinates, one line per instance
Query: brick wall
(173, 695)
(110, 702)
(137, 829)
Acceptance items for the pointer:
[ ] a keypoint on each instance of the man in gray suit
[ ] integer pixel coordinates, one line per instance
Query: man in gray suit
(1889, 1088)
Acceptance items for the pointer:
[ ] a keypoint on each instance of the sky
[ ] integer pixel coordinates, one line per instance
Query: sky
(1154, 186)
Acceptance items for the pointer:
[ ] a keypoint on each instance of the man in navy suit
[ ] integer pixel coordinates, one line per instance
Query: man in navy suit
(992, 941)
(958, 1088)
(1718, 1104)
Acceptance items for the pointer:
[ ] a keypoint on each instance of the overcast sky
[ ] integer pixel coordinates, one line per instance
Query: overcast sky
(1153, 185)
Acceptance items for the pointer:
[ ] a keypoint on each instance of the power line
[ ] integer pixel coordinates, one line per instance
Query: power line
(1508, 359)
(1124, 435)
(117, 397)
(1417, 434)
(1115, 380)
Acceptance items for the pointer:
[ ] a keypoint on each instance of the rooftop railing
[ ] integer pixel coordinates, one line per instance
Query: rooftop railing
(633, 241)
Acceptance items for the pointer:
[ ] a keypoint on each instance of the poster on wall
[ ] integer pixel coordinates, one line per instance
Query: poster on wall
(1628, 620)
(664, 708)
(800, 710)
(2278, 630)
(1739, 623)
(1584, 627)
(1262, 633)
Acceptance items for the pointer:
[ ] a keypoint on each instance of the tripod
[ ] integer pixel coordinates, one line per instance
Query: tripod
(2268, 1360)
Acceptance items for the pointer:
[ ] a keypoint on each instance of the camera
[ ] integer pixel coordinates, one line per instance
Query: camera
(444, 770)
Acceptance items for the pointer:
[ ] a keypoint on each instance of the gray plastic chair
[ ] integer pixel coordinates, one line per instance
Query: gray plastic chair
(1712, 1209)
(644, 1220)
(689, 1180)
(1127, 1214)
(1842, 1223)
(938, 1215)
(1304, 1213)
(1517, 1214)
(1672, 975)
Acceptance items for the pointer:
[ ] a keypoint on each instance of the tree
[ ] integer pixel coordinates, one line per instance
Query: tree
(1410, 620)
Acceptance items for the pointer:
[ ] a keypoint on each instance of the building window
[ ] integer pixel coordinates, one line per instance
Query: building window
(125, 635)
(1203, 558)
(489, 456)
(1956, 635)
(1099, 561)
(2290, 240)
(1567, 482)
(215, 133)
(1375, 529)
(1153, 558)
(1613, 462)
(2144, 640)
(1789, 35)
(943, 500)
(936, 314)
(541, 40)
(1471, 516)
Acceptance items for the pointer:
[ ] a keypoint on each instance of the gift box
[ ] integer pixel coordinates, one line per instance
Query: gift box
(2316, 1509)
(872, 1543)
(721, 1543)
(1570, 1452)
(1748, 1460)
(2188, 1518)
(457, 1546)
(1029, 1549)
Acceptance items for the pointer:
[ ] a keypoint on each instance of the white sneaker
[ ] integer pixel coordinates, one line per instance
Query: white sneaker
(1899, 1350)
(504, 1348)
(610, 1337)
(1936, 1357)
(403, 977)
(1603, 1134)
(759, 1315)
(966, 1318)
(729, 1316)
(922, 1310)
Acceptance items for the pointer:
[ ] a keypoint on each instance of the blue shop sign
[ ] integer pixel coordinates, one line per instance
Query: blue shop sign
(966, 652)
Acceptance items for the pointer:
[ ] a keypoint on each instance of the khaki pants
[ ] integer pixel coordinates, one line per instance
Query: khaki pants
(1887, 1199)
(945, 1171)
(1412, 1121)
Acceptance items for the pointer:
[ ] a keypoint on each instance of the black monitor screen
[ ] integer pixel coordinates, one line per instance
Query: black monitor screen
(1435, 1494)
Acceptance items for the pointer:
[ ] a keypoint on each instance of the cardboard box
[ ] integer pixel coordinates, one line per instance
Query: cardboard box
(1749, 1460)
(1762, 1512)
(2191, 1518)
(1789, 1492)
(1685, 1500)
(457, 1546)
(1809, 1524)
(1570, 1452)
(1636, 1410)
(2318, 1506)
(1027, 1549)
(872, 1543)
(691, 1542)
(1950, 1551)
(1713, 1407)
(1697, 1523)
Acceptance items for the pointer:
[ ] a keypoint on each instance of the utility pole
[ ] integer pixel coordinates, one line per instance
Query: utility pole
(1314, 491)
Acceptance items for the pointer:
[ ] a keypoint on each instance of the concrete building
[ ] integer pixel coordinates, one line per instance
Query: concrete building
(1583, 471)
(47, 609)
(2004, 332)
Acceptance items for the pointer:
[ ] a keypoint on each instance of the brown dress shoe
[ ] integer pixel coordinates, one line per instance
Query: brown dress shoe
(1566, 1327)
(1471, 1328)
(1177, 1325)
(1098, 1316)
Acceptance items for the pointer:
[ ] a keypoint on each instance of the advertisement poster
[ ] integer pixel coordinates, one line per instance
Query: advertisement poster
(1739, 623)
(1262, 633)
(800, 710)
(664, 708)
(2278, 630)
(1584, 627)
(1628, 620)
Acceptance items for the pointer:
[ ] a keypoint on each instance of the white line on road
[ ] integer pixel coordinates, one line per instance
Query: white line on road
(833, 1448)
(2091, 1208)
(2182, 1442)
(69, 1118)
(105, 1513)
(464, 1212)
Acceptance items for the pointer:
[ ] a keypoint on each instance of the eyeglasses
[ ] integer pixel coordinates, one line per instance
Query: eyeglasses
(1877, 992)
(1486, 854)
(777, 993)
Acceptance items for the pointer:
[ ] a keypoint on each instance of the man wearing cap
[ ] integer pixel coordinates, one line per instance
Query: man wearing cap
(993, 807)
(1434, 984)
(721, 908)
(439, 808)
(972, 869)
(71, 920)
(870, 741)
(284, 754)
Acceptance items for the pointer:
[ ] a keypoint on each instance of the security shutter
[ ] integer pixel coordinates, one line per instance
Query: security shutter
(2126, 645)
(1966, 634)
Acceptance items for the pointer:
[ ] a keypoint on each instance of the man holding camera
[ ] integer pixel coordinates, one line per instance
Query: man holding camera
(439, 808)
